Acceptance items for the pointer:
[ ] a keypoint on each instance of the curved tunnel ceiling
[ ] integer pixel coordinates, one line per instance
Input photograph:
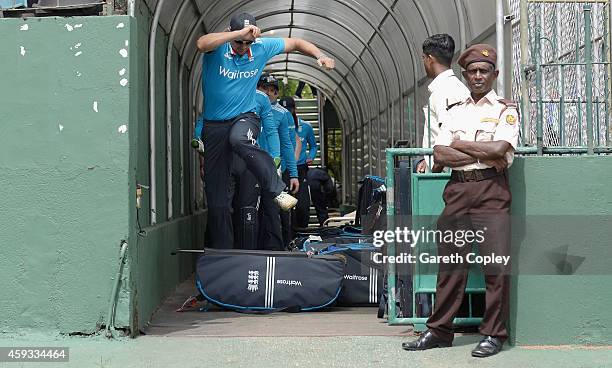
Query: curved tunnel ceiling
(376, 43)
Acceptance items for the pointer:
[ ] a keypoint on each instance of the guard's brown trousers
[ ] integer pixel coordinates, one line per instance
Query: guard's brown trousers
(477, 206)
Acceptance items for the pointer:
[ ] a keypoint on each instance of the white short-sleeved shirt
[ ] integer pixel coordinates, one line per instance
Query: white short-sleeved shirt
(445, 90)
(487, 120)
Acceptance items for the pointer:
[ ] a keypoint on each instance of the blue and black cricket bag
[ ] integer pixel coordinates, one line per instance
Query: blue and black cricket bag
(268, 281)
(363, 278)
(334, 235)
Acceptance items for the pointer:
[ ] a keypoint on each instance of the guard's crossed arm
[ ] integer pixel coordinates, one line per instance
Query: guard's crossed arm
(445, 156)
(482, 150)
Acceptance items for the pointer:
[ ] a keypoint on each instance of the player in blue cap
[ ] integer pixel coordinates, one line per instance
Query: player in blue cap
(232, 64)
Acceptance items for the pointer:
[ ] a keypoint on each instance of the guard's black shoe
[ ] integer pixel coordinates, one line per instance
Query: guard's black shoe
(426, 341)
(488, 346)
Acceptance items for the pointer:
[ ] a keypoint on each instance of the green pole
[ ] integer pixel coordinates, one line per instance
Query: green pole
(580, 120)
(562, 108)
(608, 81)
(588, 59)
(577, 61)
(525, 103)
(561, 79)
(391, 226)
(598, 123)
(538, 61)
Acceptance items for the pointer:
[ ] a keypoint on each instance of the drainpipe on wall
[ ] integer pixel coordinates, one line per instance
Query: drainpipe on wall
(110, 315)
(152, 145)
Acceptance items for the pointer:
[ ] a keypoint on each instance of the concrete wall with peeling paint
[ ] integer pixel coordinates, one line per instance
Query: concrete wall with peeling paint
(64, 163)
(75, 142)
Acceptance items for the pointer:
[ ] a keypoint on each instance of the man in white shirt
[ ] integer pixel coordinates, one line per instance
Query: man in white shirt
(445, 90)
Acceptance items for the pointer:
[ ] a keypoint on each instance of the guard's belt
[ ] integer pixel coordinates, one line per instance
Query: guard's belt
(466, 176)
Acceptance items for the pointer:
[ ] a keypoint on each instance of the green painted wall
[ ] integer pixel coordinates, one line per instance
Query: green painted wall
(562, 309)
(157, 272)
(68, 175)
(63, 170)
(154, 272)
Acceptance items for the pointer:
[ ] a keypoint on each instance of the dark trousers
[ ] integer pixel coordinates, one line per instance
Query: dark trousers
(267, 230)
(270, 234)
(300, 215)
(319, 200)
(483, 205)
(223, 139)
(285, 216)
(245, 205)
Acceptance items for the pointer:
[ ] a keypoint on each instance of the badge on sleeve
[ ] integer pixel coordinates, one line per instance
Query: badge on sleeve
(510, 119)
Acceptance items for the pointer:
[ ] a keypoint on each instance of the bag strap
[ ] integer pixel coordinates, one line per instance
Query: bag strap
(290, 309)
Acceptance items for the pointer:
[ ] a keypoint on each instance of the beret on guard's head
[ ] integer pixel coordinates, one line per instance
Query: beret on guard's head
(476, 53)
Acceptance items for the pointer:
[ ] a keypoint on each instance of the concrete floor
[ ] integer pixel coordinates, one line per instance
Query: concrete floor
(351, 337)
(282, 352)
(219, 323)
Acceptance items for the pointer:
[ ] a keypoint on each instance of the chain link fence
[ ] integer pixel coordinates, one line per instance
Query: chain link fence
(561, 71)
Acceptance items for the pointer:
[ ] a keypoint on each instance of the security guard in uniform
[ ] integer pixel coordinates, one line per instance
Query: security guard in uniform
(478, 143)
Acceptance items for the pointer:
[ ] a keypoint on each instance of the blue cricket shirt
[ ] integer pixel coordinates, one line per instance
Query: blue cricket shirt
(307, 137)
(229, 81)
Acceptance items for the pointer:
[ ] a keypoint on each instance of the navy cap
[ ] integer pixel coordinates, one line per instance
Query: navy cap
(267, 80)
(287, 102)
(241, 20)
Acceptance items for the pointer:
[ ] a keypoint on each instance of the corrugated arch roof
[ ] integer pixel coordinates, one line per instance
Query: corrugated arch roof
(376, 42)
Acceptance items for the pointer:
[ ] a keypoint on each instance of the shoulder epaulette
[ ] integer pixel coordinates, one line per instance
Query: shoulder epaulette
(508, 103)
(448, 107)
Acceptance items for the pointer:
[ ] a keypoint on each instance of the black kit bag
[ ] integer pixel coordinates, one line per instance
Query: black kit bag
(363, 278)
(269, 281)
(371, 205)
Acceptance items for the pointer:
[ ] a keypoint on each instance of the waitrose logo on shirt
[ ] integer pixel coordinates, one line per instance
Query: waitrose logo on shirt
(233, 74)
